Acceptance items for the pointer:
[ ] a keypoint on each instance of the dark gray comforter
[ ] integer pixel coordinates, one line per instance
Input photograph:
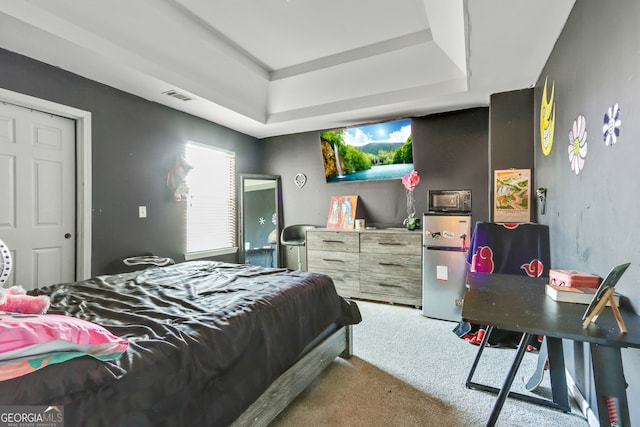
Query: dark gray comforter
(205, 340)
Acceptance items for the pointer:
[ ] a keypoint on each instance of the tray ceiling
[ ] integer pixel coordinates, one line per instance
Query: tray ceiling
(273, 67)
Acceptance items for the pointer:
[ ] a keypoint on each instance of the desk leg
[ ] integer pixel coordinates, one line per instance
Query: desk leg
(557, 373)
(483, 344)
(611, 393)
(504, 391)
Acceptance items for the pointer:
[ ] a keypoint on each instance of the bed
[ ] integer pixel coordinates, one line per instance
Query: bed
(209, 344)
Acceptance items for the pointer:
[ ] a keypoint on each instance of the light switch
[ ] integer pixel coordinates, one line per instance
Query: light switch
(142, 211)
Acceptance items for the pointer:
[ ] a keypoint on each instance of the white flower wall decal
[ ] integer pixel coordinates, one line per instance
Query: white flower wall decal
(578, 144)
(611, 127)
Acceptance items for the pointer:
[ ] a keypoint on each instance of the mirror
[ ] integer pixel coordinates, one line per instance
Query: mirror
(260, 224)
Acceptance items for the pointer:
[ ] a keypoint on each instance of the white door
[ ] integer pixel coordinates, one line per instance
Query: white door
(37, 195)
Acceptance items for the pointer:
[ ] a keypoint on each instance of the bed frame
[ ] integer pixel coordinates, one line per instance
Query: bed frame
(293, 381)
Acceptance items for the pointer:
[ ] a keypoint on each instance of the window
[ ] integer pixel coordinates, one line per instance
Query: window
(211, 208)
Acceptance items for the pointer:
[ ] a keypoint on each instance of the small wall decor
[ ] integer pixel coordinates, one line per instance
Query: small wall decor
(512, 195)
(611, 127)
(547, 119)
(300, 180)
(342, 212)
(177, 179)
(578, 144)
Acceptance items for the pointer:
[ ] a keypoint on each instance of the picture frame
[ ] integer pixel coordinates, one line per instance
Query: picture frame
(342, 212)
(602, 295)
(512, 195)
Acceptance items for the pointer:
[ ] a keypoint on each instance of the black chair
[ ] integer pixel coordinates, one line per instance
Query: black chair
(295, 236)
(520, 250)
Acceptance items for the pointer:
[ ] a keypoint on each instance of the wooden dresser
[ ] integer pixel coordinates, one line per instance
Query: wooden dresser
(381, 265)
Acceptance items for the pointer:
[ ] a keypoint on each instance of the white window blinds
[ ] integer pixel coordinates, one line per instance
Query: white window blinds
(211, 206)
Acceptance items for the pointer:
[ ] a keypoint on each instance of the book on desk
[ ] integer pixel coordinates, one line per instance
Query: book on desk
(575, 295)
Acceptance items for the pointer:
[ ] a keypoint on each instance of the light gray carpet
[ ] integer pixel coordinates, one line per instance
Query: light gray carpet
(410, 370)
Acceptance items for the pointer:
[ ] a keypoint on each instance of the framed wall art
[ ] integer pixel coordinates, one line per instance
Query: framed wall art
(512, 195)
(342, 212)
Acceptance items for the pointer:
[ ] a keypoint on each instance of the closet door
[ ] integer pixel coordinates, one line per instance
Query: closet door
(37, 187)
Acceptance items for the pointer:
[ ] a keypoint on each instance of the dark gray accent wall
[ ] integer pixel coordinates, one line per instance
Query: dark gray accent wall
(511, 136)
(593, 216)
(134, 145)
(449, 151)
(452, 152)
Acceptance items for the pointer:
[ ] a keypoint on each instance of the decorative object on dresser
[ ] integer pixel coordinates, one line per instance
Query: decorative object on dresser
(381, 265)
(410, 181)
(342, 212)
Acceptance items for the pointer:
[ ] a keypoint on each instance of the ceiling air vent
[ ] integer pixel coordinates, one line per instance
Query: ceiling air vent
(177, 95)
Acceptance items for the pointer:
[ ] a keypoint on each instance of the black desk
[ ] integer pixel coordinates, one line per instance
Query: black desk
(518, 303)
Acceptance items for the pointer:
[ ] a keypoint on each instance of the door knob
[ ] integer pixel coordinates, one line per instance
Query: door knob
(67, 235)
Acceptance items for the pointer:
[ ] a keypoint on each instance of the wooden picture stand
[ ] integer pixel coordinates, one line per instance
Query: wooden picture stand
(606, 297)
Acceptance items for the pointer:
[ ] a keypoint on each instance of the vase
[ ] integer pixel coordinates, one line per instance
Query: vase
(411, 221)
(411, 204)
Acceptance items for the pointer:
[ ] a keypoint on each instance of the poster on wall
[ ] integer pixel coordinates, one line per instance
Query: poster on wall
(342, 212)
(512, 200)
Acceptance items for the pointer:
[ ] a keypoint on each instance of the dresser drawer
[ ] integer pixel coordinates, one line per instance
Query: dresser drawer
(399, 275)
(342, 267)
(333, 241)
(381, 285)
(347, 283)
(322, 261)
(391, 243)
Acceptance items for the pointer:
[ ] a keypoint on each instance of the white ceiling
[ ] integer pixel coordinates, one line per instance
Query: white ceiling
(274, 67)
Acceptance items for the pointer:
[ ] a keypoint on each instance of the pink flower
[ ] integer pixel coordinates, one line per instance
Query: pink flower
(410, 180)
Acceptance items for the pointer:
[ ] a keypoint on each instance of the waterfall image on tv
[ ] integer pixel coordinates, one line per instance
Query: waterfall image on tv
(369, 152)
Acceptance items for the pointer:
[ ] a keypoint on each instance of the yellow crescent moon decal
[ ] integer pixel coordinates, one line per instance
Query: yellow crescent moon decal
(547, 119)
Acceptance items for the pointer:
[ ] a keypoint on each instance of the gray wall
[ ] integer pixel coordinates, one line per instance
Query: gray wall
(450, 151)
(134, 144)
(593, 217)
(511, 136)
(446, 150)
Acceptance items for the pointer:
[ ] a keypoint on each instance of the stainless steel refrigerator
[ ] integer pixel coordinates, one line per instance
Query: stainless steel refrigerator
(445, 239)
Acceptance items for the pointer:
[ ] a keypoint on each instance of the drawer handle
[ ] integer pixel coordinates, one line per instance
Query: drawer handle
(332, 260)
(390, 244)
(386, 285)
(332, 241)
(389, 264)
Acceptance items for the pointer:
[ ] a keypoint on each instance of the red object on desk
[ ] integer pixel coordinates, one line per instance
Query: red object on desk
(573, 279)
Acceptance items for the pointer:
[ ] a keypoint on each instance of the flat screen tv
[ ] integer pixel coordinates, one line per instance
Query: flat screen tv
(368, 152)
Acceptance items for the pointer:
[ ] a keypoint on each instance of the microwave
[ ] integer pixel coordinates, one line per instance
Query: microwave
(449, 200)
